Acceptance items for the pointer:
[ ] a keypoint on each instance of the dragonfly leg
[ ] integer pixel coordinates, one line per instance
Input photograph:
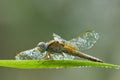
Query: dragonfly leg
(62, 56)
(47, 57)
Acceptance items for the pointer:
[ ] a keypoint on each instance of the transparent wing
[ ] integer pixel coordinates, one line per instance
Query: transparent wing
(57, 56)
(35, 54)
(58, 38)
(32, 54)
(86, 41)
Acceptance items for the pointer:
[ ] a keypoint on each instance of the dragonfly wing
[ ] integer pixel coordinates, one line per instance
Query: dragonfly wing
(58, 38)
(62, 56)
(86, 41)
(32, 54)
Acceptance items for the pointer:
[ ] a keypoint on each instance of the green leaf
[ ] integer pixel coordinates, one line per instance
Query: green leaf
(40, 64)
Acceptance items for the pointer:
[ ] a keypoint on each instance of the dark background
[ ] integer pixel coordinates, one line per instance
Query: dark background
(24, 23)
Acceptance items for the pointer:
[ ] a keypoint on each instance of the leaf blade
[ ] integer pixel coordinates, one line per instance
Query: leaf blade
(43, 64)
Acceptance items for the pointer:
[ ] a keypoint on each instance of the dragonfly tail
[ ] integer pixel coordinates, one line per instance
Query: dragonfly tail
(74, 52)
(85, 56)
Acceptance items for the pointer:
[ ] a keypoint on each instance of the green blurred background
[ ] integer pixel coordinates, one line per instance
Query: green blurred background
(23, 23)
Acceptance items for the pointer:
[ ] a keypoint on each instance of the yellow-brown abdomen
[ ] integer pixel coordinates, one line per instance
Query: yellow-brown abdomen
(72, 51)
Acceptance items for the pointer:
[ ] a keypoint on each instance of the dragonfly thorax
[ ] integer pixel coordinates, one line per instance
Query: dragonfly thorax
(55, 46)
(42, 46)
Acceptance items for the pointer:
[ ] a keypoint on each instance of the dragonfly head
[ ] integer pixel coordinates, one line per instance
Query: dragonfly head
(42, 46)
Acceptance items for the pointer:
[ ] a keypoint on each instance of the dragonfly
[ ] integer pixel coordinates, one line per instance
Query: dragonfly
(61, 49)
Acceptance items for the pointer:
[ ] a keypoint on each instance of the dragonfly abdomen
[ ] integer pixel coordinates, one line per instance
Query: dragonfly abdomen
(83, 55)
(74, 52)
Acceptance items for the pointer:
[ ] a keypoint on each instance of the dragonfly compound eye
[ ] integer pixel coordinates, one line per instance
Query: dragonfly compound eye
(42, 46)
